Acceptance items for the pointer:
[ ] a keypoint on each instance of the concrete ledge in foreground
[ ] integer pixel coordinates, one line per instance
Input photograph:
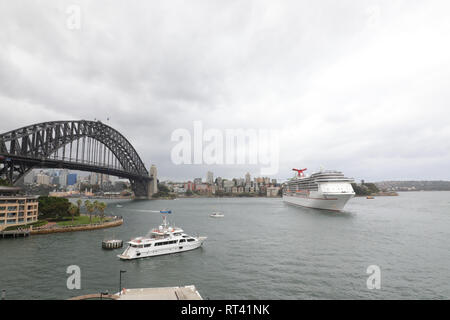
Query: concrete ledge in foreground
(165, 293)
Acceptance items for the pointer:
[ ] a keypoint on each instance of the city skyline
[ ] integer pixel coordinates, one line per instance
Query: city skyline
(84, 176)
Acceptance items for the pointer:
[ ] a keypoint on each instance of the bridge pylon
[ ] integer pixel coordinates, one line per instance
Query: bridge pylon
(153, 183)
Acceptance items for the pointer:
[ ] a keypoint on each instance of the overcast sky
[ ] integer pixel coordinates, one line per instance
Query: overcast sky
(358, 86)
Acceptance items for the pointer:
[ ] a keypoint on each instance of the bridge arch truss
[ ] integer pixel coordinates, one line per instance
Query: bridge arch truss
(77, 145)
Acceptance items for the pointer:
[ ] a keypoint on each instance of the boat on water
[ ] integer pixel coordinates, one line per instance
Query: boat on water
(217, 215)
(165, 239)
(328, 190)
(119, 206)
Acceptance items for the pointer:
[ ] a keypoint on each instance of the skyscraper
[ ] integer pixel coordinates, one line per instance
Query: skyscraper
(94, 178)
(63, 177)
(42, 178)
(71, 179)
(209, 177)
(248, 179)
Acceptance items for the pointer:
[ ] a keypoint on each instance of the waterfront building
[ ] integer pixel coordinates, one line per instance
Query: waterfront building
(63, 194)
(88, 193)
(54, 180)
(198, 181)
(210, 178)
(202, 188)
(63, 178)
(105, 179)
(98, 179)
(189, 186)
(42, 178)
(178, 189)
(94, 178)
(228, 184)
(248, 179)
(16, 209)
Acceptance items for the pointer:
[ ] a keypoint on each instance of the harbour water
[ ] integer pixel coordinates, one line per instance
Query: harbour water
(262, 249)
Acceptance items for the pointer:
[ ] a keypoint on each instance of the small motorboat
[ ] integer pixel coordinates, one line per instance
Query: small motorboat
(119, 206)
(217, 215)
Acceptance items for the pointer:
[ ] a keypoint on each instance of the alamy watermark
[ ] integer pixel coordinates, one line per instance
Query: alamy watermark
(74, 280)
(73, 20)
(374, 280)
(229, 147)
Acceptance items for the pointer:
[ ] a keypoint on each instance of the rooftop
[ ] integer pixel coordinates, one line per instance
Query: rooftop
(5, 189)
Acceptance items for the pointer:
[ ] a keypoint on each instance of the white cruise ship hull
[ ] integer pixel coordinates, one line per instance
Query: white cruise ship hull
(331, 201)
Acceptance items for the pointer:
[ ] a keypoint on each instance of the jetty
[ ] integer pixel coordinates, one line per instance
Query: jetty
(15, 233)
(112, 244)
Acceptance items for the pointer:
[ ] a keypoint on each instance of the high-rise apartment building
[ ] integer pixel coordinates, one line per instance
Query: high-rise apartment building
(209, 177)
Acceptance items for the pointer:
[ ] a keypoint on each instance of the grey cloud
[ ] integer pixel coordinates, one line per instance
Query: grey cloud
(349, 84)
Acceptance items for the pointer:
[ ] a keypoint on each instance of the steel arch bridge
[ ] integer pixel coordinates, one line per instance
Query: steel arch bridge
(76, 145)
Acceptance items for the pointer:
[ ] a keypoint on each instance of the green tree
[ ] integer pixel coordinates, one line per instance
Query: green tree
(79, 203)
(73, 210)
(101, 206)
(372, 188)
(4, 183)
(53, 207)
(163, 191)
(96, 206)
(360, 190)
(89, 208)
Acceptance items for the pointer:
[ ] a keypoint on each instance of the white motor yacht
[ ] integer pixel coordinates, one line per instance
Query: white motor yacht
(165, 239)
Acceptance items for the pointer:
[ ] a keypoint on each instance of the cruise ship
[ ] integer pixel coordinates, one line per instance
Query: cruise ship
(326, 189)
